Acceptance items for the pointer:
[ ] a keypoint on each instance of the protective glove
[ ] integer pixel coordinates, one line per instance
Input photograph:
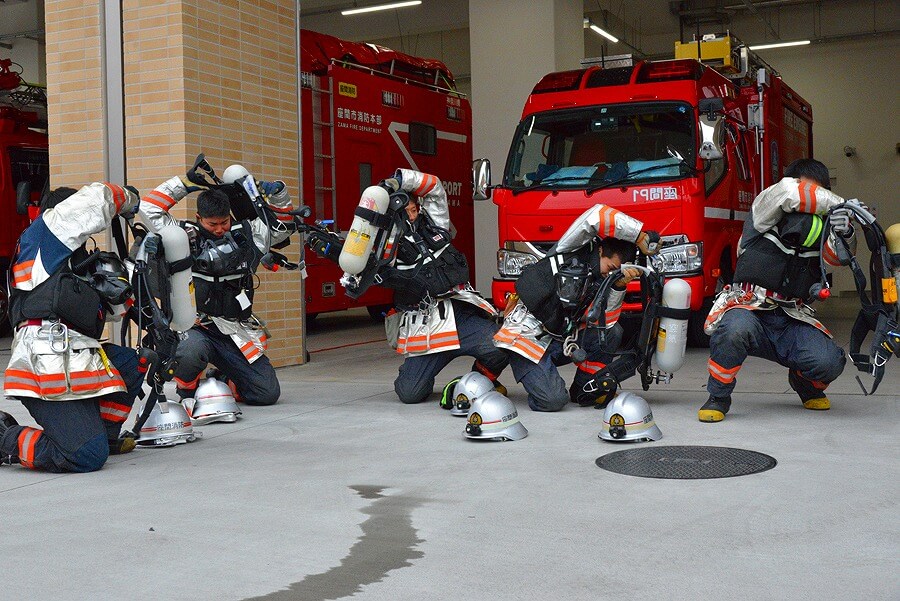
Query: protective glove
(511, 302)
(392, 184)
(270, 188)
(129, 208)
(840, 223)
(325, 246)
(191, 186)
(648, 242)
(628, 274)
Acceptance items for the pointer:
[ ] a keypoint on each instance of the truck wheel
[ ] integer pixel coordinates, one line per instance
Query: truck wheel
(697, 338)
(5, 326)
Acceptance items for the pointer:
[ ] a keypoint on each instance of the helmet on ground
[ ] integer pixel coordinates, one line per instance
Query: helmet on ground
(470, 387)
(168, 425)
(628, 418)
(213, 402)
(492, 416)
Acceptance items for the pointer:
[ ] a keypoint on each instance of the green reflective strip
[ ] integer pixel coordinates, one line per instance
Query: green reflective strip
(814, 231)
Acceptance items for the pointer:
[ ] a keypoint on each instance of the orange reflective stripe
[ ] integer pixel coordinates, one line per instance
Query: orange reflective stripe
(114, 412)
(532, 349)
(118, 195)
(163, 201)
(591, 367)
(427, 183)
(726, 375)
(428, 347)
(812, 197)
(22, 271)
(21, 373)
(28, 438)
(439, 336)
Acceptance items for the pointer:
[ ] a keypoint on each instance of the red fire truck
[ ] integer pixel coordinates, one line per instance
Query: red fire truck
(631, 136)
(23, 157)
(367, 110)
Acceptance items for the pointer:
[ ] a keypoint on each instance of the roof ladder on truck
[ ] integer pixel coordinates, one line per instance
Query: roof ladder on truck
(323, 146)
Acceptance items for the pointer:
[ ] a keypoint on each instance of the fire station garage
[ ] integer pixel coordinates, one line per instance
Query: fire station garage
(504, 122)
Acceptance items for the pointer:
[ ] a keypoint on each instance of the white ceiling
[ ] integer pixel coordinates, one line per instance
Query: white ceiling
(651, 25)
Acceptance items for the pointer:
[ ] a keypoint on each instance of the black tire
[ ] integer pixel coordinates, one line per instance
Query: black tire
(696, 337)
(5, 326)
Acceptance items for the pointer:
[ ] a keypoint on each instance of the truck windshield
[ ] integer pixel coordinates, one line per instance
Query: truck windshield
(591, 147)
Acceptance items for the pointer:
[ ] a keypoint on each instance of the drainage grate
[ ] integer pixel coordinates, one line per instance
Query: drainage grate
(686, 462)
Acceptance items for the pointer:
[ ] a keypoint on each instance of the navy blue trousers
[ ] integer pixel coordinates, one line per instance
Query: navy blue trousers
(75, 434)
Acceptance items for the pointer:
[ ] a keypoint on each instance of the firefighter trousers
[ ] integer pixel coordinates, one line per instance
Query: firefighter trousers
(545, 386)
(809, 353)
(254, 383)
(476, 330)
(74, 435)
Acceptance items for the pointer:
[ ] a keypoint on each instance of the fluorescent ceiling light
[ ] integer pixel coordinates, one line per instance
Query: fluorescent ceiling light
(779, 45)
(604, 33)
(369, 9)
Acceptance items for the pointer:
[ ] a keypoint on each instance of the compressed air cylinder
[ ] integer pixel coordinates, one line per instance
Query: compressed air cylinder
(233, 173)
(361, 239)
(672, 338)
(175, 242)
(893, 246)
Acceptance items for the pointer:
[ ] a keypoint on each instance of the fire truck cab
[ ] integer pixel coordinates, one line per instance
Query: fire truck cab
(683, 145)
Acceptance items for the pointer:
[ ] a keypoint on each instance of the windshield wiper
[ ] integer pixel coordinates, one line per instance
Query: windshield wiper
(540, 184)
(631, 174)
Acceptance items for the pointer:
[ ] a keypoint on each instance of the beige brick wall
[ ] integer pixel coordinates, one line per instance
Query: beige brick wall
(74, 93)
(200, 76)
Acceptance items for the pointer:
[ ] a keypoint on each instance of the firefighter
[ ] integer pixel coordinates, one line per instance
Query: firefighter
(545, 317)
(78, 390)
(764, 313)
(443, 317)
(225, 258)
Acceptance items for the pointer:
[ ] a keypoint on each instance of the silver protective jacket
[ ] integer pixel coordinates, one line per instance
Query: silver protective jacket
(49, 361)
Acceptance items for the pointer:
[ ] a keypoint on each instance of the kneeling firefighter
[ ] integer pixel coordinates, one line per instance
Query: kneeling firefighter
(545, 320)
(226, 256)
(78, 390)
(441, 316)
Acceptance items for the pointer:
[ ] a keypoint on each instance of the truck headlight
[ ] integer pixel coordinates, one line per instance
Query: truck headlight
(510, 263)
(679, 259)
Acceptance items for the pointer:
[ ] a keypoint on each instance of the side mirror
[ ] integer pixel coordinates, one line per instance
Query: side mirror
(712, 129)
(23, 197)
(481, 178)
(712, 143)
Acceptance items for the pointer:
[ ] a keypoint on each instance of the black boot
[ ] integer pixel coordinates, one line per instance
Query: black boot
(7, 421)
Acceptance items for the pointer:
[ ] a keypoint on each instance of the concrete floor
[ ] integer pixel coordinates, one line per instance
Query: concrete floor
(341, 491)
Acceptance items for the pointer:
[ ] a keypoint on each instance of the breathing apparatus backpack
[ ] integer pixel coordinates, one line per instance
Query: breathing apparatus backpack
(879, 312)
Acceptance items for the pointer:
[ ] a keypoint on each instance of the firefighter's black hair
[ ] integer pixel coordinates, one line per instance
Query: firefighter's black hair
(626, 251)
(213, 203)
(810, 169)
(55, 197)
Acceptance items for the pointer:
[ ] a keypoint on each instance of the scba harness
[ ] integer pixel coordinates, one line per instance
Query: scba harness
(879, 312)
(223, 271)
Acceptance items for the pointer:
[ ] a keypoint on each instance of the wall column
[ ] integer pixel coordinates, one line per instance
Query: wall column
(513, 45)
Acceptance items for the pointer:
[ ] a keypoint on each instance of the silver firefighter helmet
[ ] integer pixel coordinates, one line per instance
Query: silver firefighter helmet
(213, 402)
(492, 416)
(469, 388)
(168, 425)
(628, 418)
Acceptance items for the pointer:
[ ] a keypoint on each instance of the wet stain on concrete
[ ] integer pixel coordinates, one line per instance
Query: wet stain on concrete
(388, 542)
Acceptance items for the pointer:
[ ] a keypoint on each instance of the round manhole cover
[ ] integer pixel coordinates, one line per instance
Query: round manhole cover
(686, 462)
